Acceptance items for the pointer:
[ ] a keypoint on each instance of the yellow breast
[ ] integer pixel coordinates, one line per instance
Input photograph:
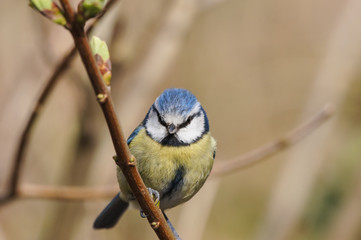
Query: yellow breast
(158, 166)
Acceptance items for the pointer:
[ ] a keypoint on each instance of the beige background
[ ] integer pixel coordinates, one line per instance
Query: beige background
(260, 68)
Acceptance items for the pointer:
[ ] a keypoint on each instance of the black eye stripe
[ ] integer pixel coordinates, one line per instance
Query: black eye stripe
(160, 119)
(183, 125)
(189, 120)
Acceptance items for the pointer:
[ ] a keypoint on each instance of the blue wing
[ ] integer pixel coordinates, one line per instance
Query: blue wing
(134, 133)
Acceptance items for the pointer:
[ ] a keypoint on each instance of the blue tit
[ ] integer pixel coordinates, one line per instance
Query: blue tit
(174, 153)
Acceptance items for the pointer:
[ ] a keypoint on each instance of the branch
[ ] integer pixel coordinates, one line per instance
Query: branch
(69, 193)
(124, 158)
(255, 156)
(50, 83)
(19, 157)
(222, 168)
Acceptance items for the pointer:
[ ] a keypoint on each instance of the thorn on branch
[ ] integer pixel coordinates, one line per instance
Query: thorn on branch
(132, 161)
(155, 225)
(102, 97)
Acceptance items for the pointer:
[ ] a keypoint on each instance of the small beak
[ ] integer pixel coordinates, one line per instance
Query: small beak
(172, 128)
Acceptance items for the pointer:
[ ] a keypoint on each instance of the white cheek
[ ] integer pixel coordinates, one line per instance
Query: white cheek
(193, 131)
(154, 128)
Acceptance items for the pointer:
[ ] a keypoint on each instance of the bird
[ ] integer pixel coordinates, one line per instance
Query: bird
(174, 153)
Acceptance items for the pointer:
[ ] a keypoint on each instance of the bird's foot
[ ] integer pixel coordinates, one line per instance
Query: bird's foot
(156, 198)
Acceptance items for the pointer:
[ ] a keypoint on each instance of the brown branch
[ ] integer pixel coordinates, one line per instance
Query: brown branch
(220, 169)
(124, 160)
(14, 179)
(255, 156)
(69, 193)
(50, 83)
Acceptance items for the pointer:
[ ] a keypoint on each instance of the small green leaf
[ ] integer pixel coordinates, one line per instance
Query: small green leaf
(41, 4)
(50, 10)
(99, 47)
(90, 8)
(101, 53)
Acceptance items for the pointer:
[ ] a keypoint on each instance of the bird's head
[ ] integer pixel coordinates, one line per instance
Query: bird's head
(176, 118)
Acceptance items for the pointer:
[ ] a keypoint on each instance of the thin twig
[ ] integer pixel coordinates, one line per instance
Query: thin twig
(71, 193)
(124, 158)
(249, 159)
(260, 153)
(45, 92)
(14, 179)
(296, 182)
(221, 169)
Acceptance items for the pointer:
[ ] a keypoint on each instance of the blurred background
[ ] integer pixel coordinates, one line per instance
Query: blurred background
(259, 68)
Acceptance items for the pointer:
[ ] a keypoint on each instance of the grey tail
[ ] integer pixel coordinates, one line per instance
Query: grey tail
(111, 213)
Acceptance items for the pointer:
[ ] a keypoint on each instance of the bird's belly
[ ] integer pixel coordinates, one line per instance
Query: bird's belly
(177, 173)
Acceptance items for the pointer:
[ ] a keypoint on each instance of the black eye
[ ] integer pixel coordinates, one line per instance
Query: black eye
(189, 119)
(187, 122)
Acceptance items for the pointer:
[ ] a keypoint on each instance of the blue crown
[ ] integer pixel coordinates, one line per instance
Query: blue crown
(176, 101)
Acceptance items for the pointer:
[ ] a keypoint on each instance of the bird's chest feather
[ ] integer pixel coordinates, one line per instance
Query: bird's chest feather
(176, 173)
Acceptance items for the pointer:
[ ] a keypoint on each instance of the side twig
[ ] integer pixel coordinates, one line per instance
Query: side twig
(45, 92)
(14, 179)
(258, 154)
(124, 158)
(70, 193)
(220, 169)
